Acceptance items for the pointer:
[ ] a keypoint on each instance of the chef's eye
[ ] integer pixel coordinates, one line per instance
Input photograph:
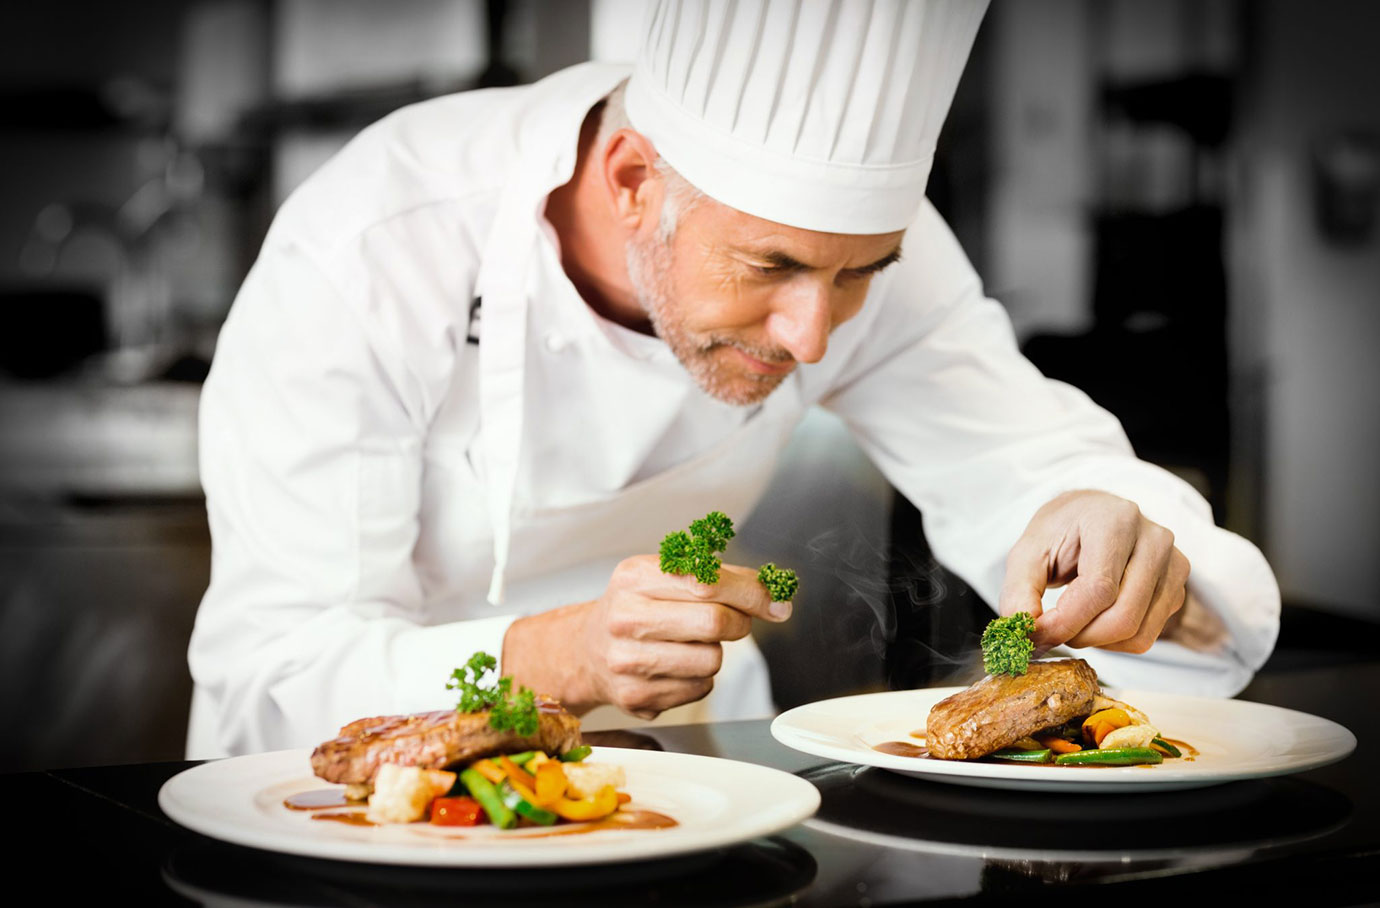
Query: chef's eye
(767, 270)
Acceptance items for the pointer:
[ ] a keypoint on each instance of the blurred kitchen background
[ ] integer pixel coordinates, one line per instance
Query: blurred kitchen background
(1177, 201)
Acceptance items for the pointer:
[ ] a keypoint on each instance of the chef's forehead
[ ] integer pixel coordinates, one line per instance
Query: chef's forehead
(782, 246)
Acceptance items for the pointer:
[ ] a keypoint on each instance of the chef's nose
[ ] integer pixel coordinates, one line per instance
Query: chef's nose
(801, 320)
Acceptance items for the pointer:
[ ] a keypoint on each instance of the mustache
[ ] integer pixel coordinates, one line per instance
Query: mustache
(772, 355)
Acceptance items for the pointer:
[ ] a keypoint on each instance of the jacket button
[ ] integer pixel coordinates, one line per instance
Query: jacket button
(555, 343)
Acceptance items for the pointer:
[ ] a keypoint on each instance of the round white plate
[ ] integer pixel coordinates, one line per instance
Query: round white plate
(1235, 739)
(715, 803)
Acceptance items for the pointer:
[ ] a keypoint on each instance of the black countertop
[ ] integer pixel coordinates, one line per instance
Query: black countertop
(879, 839)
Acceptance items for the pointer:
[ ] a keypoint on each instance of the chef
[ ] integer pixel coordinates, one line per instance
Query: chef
(506, 340)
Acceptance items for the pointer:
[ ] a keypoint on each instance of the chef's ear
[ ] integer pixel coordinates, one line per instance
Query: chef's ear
(630, 176)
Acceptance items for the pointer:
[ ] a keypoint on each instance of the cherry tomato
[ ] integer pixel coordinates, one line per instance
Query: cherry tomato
(456, 812)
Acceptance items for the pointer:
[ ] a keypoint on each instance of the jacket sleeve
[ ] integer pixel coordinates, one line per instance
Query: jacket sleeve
(941, 399)
(311, 432)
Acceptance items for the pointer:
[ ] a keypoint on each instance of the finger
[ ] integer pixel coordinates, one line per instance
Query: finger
(678, 621)
(662, 659)
(1027, 576)
(1139, 586)
(737, 587)
(1169, 598)
(1104, 550)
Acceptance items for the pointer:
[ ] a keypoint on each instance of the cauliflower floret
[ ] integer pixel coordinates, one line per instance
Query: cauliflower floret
(1129, 736)
(1101, 702)
(585, 779)
(402, 793)
(359, 792)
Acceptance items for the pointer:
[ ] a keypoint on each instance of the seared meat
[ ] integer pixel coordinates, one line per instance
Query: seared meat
(434, 740)
(1001, 709)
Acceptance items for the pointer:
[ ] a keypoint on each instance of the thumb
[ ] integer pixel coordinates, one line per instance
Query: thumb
(1027, 575)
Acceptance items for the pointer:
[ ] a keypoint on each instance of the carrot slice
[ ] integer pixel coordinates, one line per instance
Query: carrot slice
(1058, 744)
(516, 773)
(489, 770)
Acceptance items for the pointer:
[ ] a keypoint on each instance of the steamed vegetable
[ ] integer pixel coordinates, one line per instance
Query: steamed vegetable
(1102, 723)
(1006, 645)
(1122, 756)
(488, 797)
(1058, 745)
(1129, 736)
(1022, 756)
(523, 803)
(456, 812)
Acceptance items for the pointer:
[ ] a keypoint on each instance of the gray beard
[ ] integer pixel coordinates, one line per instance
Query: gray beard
(649, 263)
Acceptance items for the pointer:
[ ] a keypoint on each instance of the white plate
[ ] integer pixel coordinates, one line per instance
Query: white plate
(715, 803)
(1235, 739)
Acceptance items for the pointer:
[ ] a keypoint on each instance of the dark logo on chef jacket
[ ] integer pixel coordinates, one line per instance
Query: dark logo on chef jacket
(472, 335)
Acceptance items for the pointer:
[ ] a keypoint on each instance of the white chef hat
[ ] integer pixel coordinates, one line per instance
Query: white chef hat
(819, 114)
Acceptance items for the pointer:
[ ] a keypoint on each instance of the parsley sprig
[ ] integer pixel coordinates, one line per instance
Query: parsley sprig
(1006, 644)
(507, 710)
(697, 552)
(780, 582)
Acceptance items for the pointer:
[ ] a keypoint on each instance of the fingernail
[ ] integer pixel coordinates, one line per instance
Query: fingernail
(780, 610)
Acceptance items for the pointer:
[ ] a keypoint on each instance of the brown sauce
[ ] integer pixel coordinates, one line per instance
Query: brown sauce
(348, 817)
(623, 819)
(901, 749)
(319, 799)
(1188, 750)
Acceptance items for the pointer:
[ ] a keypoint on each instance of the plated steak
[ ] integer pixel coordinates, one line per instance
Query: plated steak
(434, 740)
(1002, 709)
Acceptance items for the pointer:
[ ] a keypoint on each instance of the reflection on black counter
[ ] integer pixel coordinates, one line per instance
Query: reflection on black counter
(1040, 831)
(771, 871)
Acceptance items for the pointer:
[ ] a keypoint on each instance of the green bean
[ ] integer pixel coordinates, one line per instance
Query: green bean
(487, 795)
(1116, 756)
(1021, 756)
(1168, 748)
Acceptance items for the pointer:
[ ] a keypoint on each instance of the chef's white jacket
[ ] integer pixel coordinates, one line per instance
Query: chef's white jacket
(377, 449)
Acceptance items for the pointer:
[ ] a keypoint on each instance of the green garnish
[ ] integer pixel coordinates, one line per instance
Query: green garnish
(507, 710)
(780, 582)
(696, 551)
(1006, 645)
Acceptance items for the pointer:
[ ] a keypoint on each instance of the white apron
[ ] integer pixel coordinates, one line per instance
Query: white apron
(544, 557)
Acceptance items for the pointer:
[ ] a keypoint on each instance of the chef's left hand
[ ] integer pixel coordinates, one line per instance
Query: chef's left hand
(1125, 578)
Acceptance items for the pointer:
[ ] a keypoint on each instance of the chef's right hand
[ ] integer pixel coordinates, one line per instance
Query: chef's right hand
(650, 642)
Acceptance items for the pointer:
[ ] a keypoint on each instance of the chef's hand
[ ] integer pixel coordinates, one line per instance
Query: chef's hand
(650, 642)
(1126, 580)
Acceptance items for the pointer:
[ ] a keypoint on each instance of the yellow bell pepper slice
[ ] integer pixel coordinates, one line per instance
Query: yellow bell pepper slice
(604, 802)
(551, 782)
(1104, 722)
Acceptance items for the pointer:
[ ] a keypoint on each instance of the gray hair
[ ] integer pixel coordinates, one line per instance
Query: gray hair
(681, 196)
